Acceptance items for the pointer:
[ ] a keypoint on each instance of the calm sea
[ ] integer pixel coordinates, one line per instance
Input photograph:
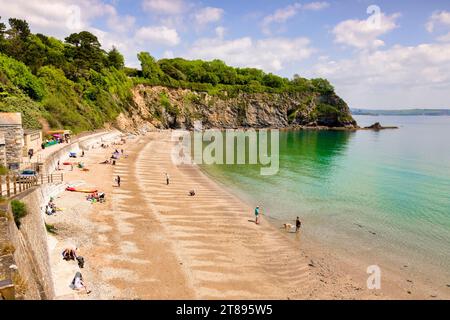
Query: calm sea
(384, 196)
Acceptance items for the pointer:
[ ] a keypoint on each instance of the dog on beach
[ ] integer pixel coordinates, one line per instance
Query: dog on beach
(288, 226)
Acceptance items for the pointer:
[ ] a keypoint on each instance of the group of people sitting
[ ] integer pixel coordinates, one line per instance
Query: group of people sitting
(50, 208)
(70, 254)
(116, 154)
(96, 197)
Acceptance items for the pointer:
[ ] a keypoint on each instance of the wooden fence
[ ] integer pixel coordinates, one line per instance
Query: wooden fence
(12, 185)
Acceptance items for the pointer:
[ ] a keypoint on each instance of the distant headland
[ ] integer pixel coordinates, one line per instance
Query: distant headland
(401, 112)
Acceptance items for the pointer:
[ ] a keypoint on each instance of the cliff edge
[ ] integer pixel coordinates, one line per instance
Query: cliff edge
(177, 108)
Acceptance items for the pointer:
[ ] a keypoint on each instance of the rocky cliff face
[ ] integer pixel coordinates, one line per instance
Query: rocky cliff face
(164, 107)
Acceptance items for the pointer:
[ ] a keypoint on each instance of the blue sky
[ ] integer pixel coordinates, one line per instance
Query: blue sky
(395, 56)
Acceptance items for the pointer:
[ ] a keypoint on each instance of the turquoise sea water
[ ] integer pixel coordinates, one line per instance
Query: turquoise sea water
(381, 195)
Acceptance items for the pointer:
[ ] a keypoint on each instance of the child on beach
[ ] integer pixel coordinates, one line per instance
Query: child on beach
(257, 215)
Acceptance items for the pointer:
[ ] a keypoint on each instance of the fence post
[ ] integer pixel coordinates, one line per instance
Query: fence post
(15, 186)
(1, 186)
(51, 177)
(42, 179)
(8, 191)
(20, 186)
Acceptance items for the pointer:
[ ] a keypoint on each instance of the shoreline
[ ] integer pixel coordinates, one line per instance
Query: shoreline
(396, 284)
(151, 241)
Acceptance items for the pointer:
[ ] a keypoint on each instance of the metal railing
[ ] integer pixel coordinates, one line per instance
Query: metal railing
(12, 185)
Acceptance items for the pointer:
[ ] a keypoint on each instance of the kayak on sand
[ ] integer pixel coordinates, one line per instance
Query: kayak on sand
(81, 190)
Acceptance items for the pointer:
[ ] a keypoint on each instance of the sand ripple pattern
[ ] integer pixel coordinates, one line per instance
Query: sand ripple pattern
(223, 255)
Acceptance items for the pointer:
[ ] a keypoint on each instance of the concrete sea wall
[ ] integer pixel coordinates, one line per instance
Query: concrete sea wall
(24, 254)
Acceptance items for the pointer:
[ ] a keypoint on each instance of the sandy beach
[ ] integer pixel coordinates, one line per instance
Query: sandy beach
(153, 241)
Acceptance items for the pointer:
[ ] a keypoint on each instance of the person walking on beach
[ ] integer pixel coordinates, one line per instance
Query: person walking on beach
(167, 179)
(257, 215)
(298, 225)
(118, 181)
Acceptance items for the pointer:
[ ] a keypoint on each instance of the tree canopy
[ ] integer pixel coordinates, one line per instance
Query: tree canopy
(78, 85)
(216, 76)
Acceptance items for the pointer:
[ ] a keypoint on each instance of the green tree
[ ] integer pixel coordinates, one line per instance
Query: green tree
(2, 36)
(17, 36)
(273, 81)
(322, 85)
(85, 51)
(2, 30)
(150, 69)
(19, 29)
(115, 59)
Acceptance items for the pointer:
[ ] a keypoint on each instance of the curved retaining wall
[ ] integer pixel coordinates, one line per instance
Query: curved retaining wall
(31, 255)
(85, 143)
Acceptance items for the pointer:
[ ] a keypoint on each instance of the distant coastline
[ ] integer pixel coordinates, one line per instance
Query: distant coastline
(404, 112)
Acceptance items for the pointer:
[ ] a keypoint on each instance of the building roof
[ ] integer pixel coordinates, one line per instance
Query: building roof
(9, 119)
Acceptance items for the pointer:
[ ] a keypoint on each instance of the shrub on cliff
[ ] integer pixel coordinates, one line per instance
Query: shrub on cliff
(3, 170)
(19, 210)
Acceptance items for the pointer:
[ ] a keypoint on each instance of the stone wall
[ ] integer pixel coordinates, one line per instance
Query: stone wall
(11, 128)
(33, 279)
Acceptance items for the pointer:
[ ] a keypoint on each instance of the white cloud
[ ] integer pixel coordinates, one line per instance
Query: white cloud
(283, 14)
(270, 54)
(364, 34)
(316, 6)
(220, 32)
(168, 54)
(402, 77)
(438, 18)
(57, 18)
(207, 15)
(158, 34)
(121, 24)
(163, 6)
(444, 38)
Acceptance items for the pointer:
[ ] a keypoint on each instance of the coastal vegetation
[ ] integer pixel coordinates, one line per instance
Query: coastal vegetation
(19, 210)
(75, 84)
(3, 170)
